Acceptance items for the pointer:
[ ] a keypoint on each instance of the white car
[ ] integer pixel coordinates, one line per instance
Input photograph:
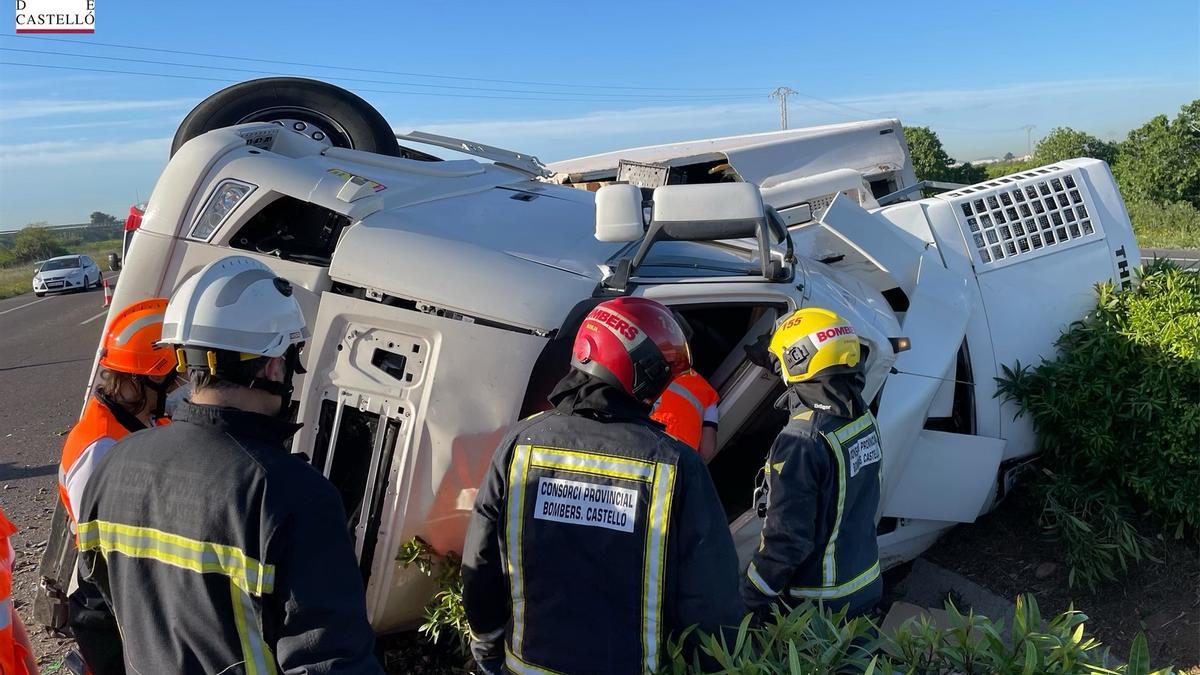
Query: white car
(443, 296)
(66, 273)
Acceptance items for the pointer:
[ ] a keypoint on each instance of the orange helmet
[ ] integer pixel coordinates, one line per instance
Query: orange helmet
(129, 345)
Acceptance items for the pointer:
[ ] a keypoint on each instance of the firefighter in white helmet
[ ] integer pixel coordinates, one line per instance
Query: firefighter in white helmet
(821, 486)
(217, 549)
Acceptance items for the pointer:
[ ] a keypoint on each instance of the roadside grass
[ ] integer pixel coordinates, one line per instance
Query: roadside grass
(17, 278)
(1172, 225)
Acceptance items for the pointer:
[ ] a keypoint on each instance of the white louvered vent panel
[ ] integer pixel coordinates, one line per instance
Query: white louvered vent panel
(1025, 215)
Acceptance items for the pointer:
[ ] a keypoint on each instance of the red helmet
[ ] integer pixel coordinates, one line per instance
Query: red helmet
(634, 344)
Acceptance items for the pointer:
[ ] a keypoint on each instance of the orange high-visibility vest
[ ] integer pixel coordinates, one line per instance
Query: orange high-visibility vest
(12, 655)
(688, 402)
(89, 440)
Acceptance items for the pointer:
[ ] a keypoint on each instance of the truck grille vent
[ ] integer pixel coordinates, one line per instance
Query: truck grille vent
(1022, 215)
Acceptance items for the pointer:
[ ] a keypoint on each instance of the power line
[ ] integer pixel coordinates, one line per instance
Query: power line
(358, 89)
(377, 71)
(663, 97)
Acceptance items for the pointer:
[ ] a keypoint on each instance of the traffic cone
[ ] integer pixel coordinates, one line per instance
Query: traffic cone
(107, 293)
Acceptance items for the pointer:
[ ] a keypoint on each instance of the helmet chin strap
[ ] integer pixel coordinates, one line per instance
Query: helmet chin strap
(283, 389)
(160, 389)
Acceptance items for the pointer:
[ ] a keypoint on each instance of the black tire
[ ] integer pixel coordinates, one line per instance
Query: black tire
(40, 295)
(344, 119)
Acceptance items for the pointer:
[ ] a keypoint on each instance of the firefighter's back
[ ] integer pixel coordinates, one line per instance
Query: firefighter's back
(601, 516)
(179, 531)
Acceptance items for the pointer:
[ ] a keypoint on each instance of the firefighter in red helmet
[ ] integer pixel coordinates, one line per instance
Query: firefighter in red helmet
(593, 521)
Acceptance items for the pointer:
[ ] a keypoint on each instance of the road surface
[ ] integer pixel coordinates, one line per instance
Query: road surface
(46, 351)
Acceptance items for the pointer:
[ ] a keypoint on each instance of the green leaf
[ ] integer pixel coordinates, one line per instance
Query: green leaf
(1139, 656)
(1031, 659)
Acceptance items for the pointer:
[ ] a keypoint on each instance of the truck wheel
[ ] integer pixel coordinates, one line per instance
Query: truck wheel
(318, 110)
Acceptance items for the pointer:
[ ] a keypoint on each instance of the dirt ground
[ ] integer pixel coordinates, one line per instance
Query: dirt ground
(1005, 553)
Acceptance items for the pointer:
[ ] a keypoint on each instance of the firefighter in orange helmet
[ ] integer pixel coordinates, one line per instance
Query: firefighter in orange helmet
(136, 375)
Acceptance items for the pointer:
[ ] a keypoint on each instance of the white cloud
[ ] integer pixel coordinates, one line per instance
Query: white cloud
(35, 108)
(22, 156)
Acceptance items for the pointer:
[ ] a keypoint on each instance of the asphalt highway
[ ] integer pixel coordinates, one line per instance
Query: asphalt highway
(46, 351)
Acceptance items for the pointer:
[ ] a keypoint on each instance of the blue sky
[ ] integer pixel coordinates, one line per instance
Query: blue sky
(73, 141)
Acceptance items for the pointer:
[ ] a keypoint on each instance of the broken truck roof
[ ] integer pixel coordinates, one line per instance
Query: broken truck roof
(767, 158)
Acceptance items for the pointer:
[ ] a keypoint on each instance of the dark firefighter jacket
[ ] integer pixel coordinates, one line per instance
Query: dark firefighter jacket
(821, 495)
(594, 537)
(220, 552)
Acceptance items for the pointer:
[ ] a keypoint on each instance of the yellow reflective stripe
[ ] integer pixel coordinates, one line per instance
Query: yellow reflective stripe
(605, 465)
(517, 472)
(854, 428)
(521, 667)
(655, 560)
(829, 562)
(760, 583)
(191, 554)
(806, 415)
(856, 584)
(257, 656)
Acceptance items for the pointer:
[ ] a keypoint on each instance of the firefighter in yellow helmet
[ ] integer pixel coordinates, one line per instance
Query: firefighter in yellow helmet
(820, 490)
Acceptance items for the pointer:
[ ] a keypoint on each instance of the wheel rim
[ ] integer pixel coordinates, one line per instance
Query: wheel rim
(312, 123)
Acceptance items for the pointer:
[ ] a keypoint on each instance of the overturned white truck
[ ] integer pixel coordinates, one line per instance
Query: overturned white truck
(443, 296)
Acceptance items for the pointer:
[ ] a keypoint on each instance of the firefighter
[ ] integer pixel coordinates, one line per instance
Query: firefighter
(135, 378)
(820, 487)
(16, 654)
(596, 535)
(688, 410)
(216, 549)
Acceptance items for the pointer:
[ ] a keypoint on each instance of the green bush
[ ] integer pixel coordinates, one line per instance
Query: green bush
(930, 161)
(999, 169)
(444, 615)
(36, 243)
(814, 639)
(1094, 526)
(1160, 160)
(1067, 143)
(811, 638)
(1170, 225)
(1117, 413)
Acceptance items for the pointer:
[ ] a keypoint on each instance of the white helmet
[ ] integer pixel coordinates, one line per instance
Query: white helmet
(235, 304)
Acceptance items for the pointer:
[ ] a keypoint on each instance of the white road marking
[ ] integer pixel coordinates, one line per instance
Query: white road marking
(23, 306)
(104, 313)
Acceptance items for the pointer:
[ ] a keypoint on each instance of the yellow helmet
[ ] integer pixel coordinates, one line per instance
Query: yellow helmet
(811, 341)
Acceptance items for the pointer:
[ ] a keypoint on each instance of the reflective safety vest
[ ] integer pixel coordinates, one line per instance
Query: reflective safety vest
(688, 403)
(595, 537)
(89, 440)
(12, 655)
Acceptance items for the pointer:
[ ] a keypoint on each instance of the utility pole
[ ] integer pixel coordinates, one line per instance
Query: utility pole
(782, 93)
(1029, 137)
